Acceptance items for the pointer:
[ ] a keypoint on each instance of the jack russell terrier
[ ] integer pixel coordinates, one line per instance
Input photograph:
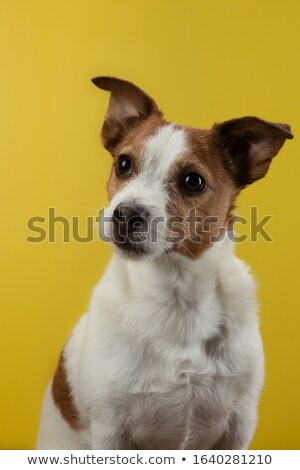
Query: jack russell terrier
(169, 354)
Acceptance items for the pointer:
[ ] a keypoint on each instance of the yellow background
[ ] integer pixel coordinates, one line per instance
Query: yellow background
(203, 61)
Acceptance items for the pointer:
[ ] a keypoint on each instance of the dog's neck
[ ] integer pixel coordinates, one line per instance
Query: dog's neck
(177, 297)
(178, 271)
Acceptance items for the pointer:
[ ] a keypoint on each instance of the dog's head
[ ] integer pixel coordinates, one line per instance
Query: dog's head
(172, 188)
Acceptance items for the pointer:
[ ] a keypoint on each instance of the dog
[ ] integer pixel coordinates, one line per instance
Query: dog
(169, 354)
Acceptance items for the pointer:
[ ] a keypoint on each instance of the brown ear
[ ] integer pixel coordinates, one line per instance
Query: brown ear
(128, 105)
(248, 145)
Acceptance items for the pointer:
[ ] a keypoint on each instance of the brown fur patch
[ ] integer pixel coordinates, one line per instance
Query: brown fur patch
(62, 396)
(213, 204)
(247, 146)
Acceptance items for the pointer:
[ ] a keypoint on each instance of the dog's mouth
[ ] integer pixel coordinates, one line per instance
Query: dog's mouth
(131, 249)
(170, 250)
(129, 244)
(136, 245)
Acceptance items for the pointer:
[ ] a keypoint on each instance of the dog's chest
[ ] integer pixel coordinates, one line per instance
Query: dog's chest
(178, 388)
(167, 368)
(184, 404)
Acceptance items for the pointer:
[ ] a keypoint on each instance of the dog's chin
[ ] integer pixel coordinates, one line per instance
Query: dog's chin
(137, 251)
(132, 250)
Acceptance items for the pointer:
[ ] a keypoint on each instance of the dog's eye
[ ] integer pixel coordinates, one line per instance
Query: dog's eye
(193, 182)
(124, 165)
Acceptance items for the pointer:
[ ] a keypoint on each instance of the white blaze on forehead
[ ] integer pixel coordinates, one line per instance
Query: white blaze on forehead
(162, 149)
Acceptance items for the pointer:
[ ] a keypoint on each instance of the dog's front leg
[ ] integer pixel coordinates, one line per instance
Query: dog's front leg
(106, 435)
(239, 433)
(107, 431)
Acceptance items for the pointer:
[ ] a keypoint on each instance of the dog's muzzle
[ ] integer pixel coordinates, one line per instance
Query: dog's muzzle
(130, 228)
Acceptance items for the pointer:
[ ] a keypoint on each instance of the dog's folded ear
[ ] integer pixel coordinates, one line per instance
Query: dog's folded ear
(128, 105)
(248, 145)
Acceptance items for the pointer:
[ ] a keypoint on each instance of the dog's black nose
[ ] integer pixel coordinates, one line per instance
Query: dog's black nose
(130, 214)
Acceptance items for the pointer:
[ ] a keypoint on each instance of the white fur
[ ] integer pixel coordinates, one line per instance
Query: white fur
(162, 149)
(169, 354)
